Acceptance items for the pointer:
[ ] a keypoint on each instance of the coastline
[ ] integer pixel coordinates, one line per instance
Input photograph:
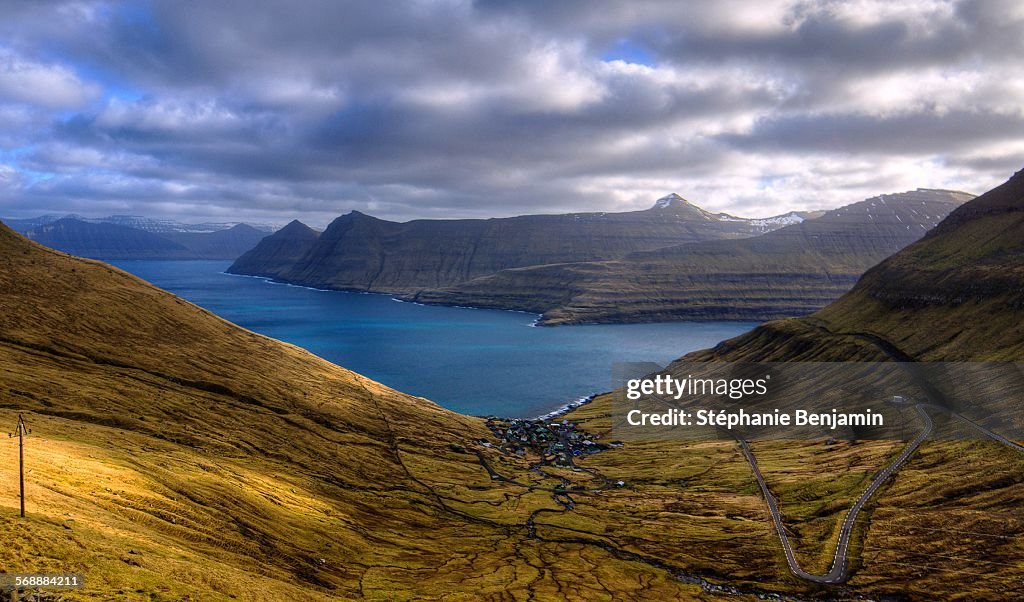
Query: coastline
(269, 280)
(572, 405)
(539, 320)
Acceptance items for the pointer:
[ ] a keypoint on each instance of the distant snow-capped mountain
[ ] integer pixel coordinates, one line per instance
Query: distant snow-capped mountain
(138, 222)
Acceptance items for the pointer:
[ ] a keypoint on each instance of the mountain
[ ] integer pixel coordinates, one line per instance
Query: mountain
(793, 270)
(155, 226)
(165, 430)
(107, 240)
(219, 244)
(273, 256)
(24, 225)
(166, 226)
(360, 252)
(955, 295)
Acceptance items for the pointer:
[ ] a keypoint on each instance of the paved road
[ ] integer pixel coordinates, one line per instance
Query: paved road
(838, 572)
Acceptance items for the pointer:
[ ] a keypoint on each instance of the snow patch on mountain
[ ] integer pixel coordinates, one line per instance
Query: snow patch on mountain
(666, 201)
(778, 221)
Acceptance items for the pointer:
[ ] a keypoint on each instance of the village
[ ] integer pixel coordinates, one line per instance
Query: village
(555, 443)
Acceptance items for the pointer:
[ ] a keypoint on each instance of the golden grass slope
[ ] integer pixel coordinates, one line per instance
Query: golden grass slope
(177, 456)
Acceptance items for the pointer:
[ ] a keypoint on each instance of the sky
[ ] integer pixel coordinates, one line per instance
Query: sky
(265, 111)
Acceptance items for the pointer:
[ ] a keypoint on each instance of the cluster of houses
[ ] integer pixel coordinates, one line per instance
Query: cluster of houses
(557, 443)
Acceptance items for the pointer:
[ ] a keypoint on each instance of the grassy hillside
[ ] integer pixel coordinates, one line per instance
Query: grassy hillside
(950, 524)
(957, 294)
(176, 456)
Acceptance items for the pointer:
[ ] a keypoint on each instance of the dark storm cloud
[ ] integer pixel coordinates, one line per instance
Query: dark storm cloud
(273, 110)
(909, 134)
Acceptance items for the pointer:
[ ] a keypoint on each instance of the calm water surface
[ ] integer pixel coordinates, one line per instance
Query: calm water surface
(474, 361)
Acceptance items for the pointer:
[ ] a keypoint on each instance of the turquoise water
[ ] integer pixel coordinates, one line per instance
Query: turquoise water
(474, 361)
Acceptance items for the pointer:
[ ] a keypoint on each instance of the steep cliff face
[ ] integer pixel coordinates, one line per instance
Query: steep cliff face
(360, 252)
(275, 254)
(791, 271)
(957, 294)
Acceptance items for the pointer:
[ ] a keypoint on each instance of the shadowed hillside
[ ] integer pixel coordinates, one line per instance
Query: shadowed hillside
(364, 253)
(222, 244)
(109, 241)
(106, 240)
(788, 272)
(957, 294)
(275, 254)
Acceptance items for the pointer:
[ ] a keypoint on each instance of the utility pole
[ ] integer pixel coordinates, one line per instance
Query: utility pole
(22, 431)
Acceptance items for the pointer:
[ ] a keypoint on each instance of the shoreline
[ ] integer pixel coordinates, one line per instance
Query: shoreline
(572, 405)
(392, 296)
(538, 320)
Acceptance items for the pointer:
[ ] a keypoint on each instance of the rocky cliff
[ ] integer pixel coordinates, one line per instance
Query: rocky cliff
(791, 271)
(360, 252)
(273, 256)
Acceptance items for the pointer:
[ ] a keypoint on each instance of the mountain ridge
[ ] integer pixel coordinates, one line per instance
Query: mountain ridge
(792, 270)
(138, 222)
(951, 296)
(100, 239)
(364, 253)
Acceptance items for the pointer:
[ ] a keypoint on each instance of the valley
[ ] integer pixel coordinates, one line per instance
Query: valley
(191, 439)
(490, 301)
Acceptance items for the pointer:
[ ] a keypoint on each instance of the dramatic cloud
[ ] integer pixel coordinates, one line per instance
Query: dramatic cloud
(272, 110)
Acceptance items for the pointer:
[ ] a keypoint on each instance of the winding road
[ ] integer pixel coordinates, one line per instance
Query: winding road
(838, 572)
